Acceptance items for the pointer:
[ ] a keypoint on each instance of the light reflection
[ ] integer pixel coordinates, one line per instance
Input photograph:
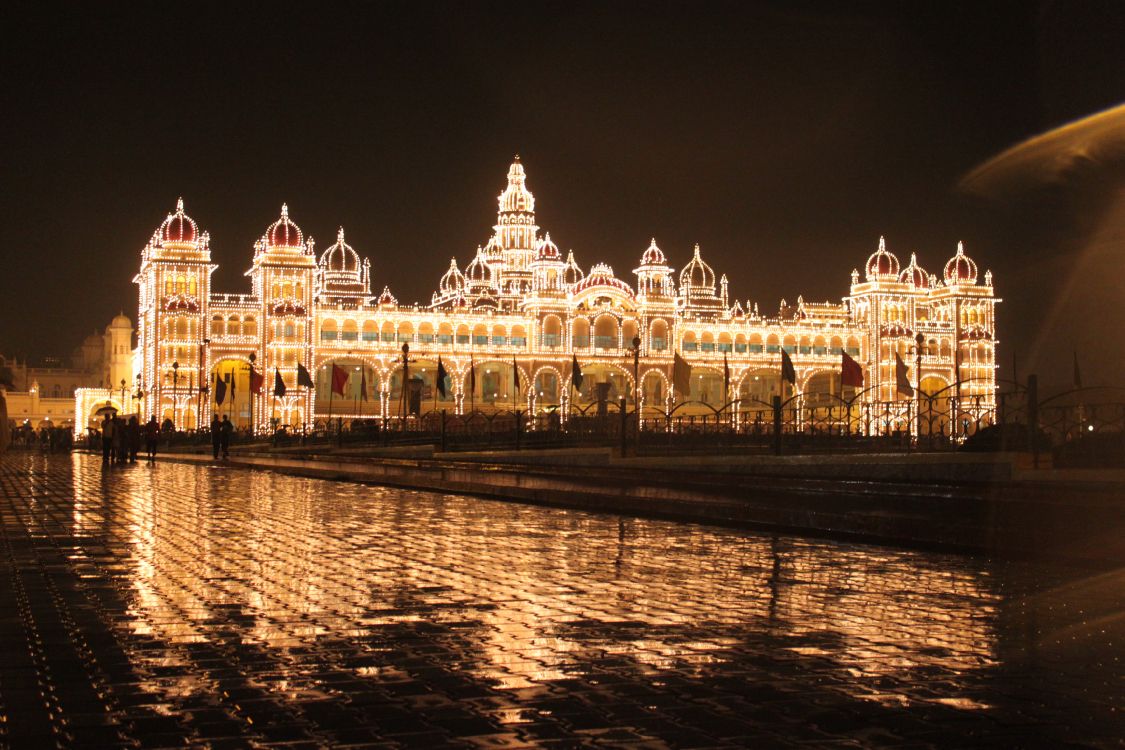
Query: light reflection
(264, 566)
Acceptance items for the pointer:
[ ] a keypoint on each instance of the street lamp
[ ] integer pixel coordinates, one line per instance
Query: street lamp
(139, 395)
(637, 386)
(175, 397)
(253, 359)
(202, 384)
(122, 394)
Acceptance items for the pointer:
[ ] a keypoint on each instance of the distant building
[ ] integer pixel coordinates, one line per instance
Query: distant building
(45, 393)
(522, 303)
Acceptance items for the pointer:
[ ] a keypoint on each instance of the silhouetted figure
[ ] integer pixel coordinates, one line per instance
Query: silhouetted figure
(152, 432)
(120, 439)
(107, 441)
(134, 436)
(225, 430)
(216, 436)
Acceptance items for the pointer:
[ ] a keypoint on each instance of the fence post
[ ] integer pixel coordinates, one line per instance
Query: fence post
(777, 425)
(1033, 418)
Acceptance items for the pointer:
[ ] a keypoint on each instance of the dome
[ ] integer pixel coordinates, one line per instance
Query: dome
(653, 256)
(960, 269)
(453, 281)
(881, 263)
(121, 320)
(914, 274)
(179, 227)
(547, 250)
(572, 274)
(516, 197)
(493, 251)
(340, 258)
(602, 275)
(697, 275)
(284, 233)
(478, 271)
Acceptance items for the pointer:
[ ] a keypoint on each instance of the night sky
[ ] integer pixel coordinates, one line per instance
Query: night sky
(783, 137)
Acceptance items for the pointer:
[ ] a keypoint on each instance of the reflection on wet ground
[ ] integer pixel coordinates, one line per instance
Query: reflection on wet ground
(175, 605)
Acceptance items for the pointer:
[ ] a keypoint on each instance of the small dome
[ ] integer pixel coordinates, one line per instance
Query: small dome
(179, 227)
(516, 196)
(340, 258)
(881, 263)
(283, 232)
(453, 281)
(653, 256)
(960, 269)
(697, 275)
(914, 274)
(121, 320)
(478, 271)
(386, 299)
(572, 273)
(547, 250)
(493, 251)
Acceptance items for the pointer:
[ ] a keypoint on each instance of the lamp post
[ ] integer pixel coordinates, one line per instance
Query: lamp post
(175, 396)
(253, 359)
(139, 395)
(202, 384)
(122, 394)
(918, 341)
(637, 388)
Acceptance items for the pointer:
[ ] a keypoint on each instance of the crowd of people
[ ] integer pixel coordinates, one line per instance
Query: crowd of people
(121, 439)
(46, 439)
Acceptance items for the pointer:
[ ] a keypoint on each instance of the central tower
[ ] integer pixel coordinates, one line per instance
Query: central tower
(517, 235)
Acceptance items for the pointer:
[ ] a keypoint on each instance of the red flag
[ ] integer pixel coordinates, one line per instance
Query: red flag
(850, 371)
(256, 380)
(339, 379)
(788, 372)
(902, 378)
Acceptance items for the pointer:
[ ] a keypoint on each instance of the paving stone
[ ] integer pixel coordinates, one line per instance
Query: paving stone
(174, 605)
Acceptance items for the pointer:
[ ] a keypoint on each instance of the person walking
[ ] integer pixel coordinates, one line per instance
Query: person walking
(134, 439)
(121, 439)
(216, 436)
(152, 432)
(107, 441)
(225, 430)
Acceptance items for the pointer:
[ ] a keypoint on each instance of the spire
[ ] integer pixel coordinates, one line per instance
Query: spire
(340, 236)
(284, 211)
(960, 247)
(882, 244)
(179, 205)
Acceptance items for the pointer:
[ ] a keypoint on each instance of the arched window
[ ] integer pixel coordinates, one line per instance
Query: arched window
(328, 330)
(552, 331)
(234, 326)
(217, 327)
(580, 333)
(605, 332)
(249, 326)
(658, 336)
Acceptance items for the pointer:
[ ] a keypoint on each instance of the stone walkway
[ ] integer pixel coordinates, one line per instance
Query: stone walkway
(175, 605)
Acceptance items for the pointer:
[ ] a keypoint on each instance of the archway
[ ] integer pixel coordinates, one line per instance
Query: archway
(360, 399)
(229, 380)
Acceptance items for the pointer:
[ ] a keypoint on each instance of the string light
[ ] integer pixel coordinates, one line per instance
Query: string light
(519, 296)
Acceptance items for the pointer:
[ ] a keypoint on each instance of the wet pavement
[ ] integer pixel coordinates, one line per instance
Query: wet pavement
(175, 605)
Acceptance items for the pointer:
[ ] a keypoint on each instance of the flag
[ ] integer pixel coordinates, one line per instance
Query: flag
(278, 383)
(515, 375)
(303, 377)
(681, 375)
(1077, 372)
(230, 376)
(220, 390)
(576, 374)
(850, 371)
(472, 376)
(902, 380)
(441, 376)
(726, 375)
(339, 379)
(257, 380)
(788, 372)
(363, 386)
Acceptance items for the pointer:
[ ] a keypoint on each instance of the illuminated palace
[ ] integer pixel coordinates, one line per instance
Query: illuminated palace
(520, 302)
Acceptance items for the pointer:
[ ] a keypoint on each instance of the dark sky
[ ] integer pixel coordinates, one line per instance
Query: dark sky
(783, 137)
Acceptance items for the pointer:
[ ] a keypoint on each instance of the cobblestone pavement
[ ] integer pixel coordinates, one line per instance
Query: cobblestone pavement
(173, 605)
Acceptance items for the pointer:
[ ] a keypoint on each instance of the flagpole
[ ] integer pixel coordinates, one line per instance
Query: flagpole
(331, 392)
(472, 386)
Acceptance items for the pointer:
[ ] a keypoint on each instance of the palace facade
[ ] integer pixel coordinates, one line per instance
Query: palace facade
(521, 303)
